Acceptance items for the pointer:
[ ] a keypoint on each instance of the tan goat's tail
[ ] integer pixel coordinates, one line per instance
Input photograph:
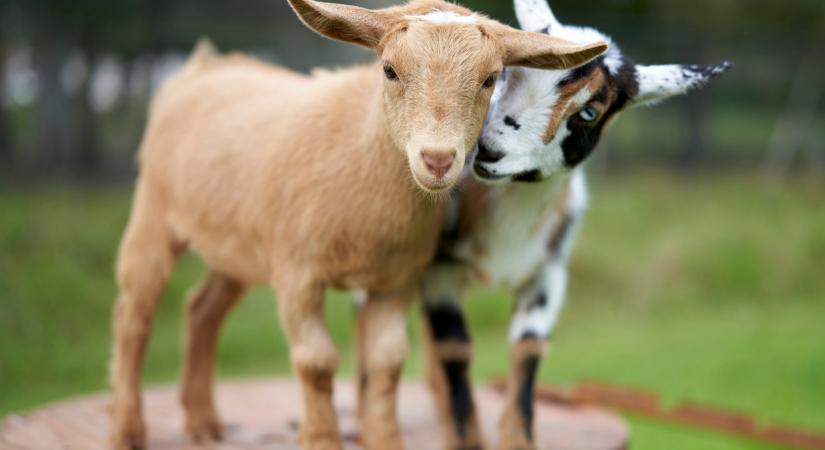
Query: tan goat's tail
(204, 56)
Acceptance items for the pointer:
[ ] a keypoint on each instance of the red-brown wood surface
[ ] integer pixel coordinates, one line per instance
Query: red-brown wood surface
(263, 414)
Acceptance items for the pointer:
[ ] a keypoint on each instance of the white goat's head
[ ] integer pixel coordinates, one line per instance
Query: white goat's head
(544, 122)
(440, 63)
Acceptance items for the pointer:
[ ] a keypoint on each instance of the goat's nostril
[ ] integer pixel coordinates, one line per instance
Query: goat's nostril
(510, 122)
(438, 162)
(488, 156)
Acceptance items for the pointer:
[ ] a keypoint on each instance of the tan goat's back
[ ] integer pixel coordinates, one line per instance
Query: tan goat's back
(252, 160)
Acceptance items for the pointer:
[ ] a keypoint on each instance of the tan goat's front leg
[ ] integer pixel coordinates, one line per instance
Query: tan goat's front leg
(205, 313)
(383, 336)
(147, 255)
(314, 359)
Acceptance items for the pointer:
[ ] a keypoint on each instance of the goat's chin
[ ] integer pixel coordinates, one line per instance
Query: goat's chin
(485, 176)
(432, 185)
(491, 181)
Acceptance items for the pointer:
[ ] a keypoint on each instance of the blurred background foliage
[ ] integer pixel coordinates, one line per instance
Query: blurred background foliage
(698, 273)
(77, 75)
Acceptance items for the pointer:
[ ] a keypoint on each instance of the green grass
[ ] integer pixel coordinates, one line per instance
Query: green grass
(707, 289)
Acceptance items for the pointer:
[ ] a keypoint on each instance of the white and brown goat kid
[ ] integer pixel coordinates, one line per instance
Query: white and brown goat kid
(306, 183)
(512, 225)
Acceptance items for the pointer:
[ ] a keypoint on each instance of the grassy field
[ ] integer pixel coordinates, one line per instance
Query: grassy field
(707, 289)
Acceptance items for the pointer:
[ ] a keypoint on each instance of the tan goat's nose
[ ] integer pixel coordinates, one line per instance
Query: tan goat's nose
(438, 162)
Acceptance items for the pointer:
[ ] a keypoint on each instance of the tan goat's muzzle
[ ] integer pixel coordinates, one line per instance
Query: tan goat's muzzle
(435, 169)
(438, 161)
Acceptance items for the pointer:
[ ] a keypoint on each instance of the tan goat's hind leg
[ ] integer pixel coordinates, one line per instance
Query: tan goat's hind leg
(147, 255)
(385, 347)
(314, 359)
(206, 310)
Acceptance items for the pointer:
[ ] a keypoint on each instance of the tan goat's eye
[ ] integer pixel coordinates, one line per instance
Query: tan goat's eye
(389, 72)
(489, 82)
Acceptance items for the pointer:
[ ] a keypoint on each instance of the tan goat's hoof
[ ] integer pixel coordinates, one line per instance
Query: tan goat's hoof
(393, 443)
(130, 435)
(204, 428)
(321, 444)
(516, 444)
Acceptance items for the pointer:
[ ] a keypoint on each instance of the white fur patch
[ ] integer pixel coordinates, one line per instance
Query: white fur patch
(534, 15)
(660, 82)
(446, 17)
(579, 197)
(614, 64)
(516, 232)
(657, 83)
(359, 297)
(513, 246)
(536, 319)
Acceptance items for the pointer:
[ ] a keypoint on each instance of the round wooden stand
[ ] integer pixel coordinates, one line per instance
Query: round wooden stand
(263, 414)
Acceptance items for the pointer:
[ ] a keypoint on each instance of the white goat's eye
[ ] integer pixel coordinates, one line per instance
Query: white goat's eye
(588, 114)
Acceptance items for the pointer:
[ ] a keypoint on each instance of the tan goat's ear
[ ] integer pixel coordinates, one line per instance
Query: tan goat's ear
(540, 51)
(343, 22)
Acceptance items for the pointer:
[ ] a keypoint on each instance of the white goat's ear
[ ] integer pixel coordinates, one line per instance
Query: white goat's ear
(344, 22)
(540, 51)
(535, 15)
(657, 83)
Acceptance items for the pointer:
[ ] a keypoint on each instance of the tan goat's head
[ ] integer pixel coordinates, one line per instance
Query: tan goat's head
(440, 63)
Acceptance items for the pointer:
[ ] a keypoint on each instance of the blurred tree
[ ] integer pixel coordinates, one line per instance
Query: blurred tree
(693, 146)
(66, 139)
(6, 142)
(689, 39)
(63, 133)
(67, 134)
(795, 123)
(6, 138)
(87, 157)
(52, 113)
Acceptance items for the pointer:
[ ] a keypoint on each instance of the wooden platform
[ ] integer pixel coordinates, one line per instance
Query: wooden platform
(263, 414)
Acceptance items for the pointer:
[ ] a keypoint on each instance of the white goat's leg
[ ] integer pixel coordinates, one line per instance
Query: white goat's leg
(145, 261)
(314, 358)
(537, 308)
(205, 313)
(449, 353)
(383, 323)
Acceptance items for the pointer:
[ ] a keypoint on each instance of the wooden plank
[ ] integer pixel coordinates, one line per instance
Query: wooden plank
(263, 415)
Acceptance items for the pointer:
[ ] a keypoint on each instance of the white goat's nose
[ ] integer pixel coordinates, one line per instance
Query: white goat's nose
(486, 155)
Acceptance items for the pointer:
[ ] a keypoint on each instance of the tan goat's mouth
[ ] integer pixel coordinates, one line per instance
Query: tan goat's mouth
(436, 186)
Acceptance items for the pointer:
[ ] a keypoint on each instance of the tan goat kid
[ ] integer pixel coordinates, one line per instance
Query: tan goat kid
(304, 182)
